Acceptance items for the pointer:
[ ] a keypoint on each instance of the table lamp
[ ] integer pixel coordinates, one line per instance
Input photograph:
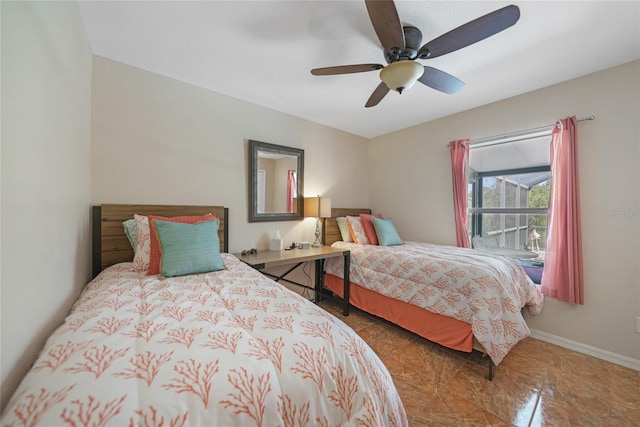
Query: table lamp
(318, 207)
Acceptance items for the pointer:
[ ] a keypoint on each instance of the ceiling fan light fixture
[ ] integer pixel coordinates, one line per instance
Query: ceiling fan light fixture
(401, 75)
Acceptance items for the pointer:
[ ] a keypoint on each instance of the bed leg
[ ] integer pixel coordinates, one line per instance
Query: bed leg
(492, 369)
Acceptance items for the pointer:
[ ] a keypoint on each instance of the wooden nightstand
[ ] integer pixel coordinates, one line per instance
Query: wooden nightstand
(266, 259)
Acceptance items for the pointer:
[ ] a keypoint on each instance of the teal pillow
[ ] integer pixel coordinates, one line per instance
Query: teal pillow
(386, 232)
(131, 232)
(188, 248)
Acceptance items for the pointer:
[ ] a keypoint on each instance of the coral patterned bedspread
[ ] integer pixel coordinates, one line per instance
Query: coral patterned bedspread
(229, 348)
(487, 291)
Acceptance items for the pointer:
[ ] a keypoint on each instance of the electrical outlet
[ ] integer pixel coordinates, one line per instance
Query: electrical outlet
(637, 324)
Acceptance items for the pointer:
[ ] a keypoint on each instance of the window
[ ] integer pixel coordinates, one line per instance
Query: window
(509, 208)
(508, 194)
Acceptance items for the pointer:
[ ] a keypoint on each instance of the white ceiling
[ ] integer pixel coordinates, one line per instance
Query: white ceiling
(263, 51)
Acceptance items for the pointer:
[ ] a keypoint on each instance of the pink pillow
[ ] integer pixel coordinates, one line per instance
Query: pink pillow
(155, 251)
(369, 229)
(357, 230)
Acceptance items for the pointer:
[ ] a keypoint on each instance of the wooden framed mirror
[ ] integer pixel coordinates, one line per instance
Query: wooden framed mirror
(276, 178)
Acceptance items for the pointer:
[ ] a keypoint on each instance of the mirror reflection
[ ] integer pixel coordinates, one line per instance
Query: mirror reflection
(275, 182)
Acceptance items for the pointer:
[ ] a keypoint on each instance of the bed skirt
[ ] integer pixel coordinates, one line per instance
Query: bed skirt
(446, 331)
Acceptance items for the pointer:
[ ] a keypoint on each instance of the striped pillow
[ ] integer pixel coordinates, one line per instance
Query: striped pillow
(344, 229)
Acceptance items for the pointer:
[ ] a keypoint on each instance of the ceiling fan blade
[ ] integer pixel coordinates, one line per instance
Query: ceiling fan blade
(439, 80)
(377, 95)
(346, 69)
(386, 23)
(471, 32)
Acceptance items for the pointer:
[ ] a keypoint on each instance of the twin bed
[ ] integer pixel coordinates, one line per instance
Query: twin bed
(221, 348)
(460, 298)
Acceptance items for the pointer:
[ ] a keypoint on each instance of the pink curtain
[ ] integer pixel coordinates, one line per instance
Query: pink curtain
(459, 169)
(291, 190)
(562, 276)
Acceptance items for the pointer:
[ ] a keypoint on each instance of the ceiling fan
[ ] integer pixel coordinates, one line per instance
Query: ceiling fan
(401, 47)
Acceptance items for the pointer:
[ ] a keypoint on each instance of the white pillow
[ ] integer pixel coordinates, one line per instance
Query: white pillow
(344, 229)
(142, 252)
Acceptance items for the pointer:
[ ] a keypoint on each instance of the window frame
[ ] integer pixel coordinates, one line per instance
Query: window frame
(476, 210)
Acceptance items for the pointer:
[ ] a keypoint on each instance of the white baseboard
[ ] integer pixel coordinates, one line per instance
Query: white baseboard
(618, 359)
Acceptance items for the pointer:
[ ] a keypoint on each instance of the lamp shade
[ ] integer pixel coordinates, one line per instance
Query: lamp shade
(317, 207)
(401, 75)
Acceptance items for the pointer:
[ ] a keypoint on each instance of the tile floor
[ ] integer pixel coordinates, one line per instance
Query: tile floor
(537, 384)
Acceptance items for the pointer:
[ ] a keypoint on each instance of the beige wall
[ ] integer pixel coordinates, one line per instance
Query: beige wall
(417, 161)
(158, 140)
(46, 105)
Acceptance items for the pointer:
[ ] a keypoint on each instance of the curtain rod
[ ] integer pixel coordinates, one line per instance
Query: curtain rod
(514, 136)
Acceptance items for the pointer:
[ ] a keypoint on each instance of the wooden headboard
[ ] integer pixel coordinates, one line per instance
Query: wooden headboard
(110, 244)
(330, 229)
